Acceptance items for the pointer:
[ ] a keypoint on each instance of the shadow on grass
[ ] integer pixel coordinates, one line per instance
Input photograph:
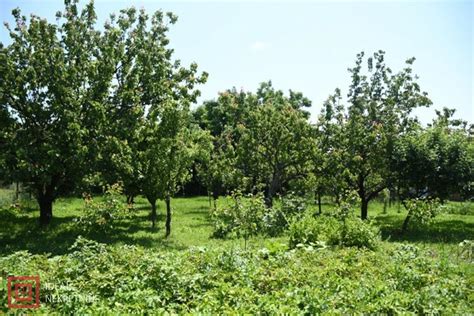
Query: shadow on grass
(22, 232)
(442, 230)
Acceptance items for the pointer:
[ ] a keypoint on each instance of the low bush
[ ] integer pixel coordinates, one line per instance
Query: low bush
(249, 216)
(242, 219)
(349, 231)
(423, 211)
(358, 233)
(311, 230)
(277, 219)
(102, 214)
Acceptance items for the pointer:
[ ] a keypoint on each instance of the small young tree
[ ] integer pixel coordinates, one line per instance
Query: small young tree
(170, 148)
(243, 218)
(328, 168)
(216, 168)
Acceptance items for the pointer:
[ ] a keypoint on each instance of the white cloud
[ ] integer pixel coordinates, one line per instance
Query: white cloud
(258, 46)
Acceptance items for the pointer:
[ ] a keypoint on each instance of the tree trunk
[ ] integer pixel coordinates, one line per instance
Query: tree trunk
(319, 203)
(270, 192)
(364, 206)
(405, 223)
(45, 201)
(168, 216)
(337, 198)
(215, 196)
(130, 199)
(153, 213)
(269, 199)
(17, 192)
(364, 199)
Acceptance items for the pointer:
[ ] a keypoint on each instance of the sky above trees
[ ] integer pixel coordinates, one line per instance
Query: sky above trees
(308, 46)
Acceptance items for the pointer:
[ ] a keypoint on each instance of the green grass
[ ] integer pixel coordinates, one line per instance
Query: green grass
(191, 272)
(191, 226)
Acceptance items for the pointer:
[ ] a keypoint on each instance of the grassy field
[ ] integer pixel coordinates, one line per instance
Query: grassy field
(191, 226)
(191, 272)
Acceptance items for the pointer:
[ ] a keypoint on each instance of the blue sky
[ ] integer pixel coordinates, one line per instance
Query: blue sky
(308, 46)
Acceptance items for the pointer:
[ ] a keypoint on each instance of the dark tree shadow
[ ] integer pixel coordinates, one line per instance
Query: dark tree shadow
(22, 232)
(448, 231)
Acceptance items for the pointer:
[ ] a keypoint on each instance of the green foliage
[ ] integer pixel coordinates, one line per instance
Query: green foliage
(462, 208)
(242, 219)
(103, 214)
(423, 211)
(466, 250)
(359, 233)
(362, 142)
(278, 218)
(94, 279)
(437, 161)
(346, 230)
(249, 216)
(276, 146)
(311, 230)
(264, 138)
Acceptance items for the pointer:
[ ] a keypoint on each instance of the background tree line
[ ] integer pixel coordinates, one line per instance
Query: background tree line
(81, 108)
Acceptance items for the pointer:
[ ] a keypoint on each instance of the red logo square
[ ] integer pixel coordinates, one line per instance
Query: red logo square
(23, 291)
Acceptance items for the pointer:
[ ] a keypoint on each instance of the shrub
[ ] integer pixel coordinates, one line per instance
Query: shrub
(466, 250)
(358, 233)
(422, 211)
(311, 230)
(103, 214)
(242, 219)
(277, 219)
(350, 232)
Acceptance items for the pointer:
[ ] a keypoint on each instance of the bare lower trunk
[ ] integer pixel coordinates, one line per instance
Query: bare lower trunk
(17, 192)
(168, 216)
(407, 219)
(319, 203)
(153, 214)
(405, 223)
(130, 199)
(215, 196)
(364, 207)
(45, 202)
(269, 194)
